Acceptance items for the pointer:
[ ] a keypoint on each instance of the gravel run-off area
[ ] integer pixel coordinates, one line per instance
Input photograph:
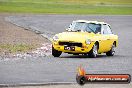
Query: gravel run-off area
(12, 35)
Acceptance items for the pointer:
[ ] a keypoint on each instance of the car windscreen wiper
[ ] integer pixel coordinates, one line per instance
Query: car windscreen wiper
(77, 30)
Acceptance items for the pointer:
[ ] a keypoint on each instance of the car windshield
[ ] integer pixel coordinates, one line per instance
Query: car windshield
(85, 27)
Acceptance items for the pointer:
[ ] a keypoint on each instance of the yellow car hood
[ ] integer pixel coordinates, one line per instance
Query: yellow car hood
(75, 36)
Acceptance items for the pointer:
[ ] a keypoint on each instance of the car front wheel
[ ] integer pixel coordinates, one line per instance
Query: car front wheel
(112, 51)
(94, 51)
(56, 53)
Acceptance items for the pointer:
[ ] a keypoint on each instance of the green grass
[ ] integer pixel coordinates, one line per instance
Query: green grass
(15, 48)
(67, 6)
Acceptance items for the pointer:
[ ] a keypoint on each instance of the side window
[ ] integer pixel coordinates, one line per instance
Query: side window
(109, 30)
(106, 29)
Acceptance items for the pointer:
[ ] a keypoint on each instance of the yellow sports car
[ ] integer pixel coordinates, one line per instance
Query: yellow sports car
(85, 37)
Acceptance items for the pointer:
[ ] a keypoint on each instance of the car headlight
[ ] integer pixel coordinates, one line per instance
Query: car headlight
(55, 38)
(88, 41)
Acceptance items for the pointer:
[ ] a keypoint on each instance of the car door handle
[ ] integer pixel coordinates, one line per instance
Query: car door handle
(108, 39)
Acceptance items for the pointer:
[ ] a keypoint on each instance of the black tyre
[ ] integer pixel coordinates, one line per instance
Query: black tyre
(112, 51)
(94, 51)
(56, 53)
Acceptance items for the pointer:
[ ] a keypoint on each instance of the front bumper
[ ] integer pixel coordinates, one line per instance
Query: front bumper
(84, 49)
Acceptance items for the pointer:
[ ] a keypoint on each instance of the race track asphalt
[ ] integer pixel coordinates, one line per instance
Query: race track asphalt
(64, 69)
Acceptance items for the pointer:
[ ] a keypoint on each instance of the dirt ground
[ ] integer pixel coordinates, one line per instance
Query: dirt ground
(12, 35)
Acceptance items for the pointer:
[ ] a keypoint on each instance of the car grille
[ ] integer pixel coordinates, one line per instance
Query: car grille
(71, 44)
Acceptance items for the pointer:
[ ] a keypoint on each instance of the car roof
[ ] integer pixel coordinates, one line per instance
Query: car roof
(86, 21)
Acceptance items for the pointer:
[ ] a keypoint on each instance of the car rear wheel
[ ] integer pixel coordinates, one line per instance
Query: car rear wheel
(94, 51)
(112, 51)
(56, 53)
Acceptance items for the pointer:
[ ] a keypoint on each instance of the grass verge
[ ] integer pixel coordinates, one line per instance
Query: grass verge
(67, 6)
(15, 48)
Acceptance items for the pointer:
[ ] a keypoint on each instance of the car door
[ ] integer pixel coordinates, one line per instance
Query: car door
(105, 42)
